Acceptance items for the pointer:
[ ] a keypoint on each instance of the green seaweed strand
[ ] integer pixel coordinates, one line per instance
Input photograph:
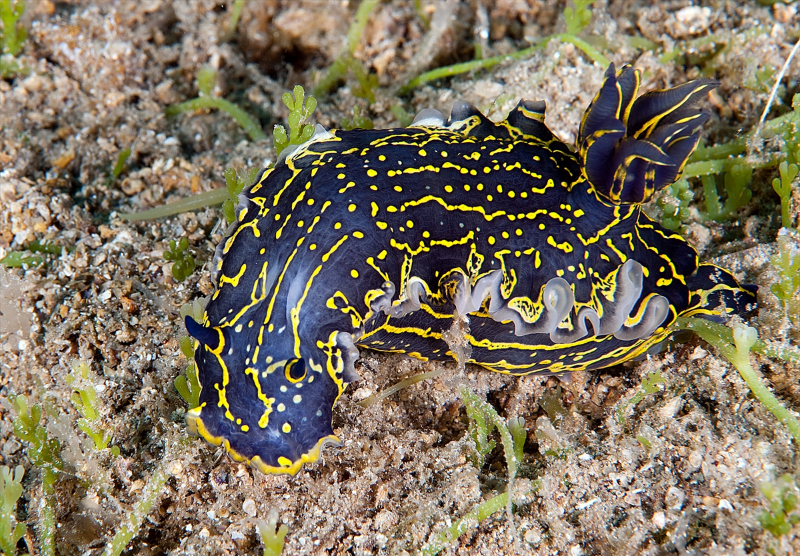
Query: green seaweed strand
(486, 63)
(206, 78)
(375, 398)
(128, 530)
(744, 338)
(195, 202)
(249, 125)
(471, 519)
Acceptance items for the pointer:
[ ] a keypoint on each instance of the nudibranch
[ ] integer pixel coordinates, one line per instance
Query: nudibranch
(375, 239)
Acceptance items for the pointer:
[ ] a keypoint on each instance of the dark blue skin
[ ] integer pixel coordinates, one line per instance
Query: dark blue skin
(352, 212)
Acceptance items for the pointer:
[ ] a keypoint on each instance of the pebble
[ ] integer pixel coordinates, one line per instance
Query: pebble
(249, 507)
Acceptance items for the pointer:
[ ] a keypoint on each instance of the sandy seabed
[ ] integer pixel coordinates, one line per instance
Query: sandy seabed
(101, 74)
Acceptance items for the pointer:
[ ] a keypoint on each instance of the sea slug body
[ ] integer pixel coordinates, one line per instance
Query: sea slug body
(375, 239)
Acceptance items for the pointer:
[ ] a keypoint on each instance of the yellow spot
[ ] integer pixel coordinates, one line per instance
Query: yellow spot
(312, 247)
(466, 187)
(491, 240)
(337, 226)
(448, 188)
(422, 152)
(499, 188)
(505, 235)
(489, 197)
(300, 223)
(518, 232)
(381, 225)
(578, 213)
(541, 226)
(297, 399)
(479, 187)
(444, 154)
(372, 173)
(559, 273)
(238, 328)
(391, 208)
(524, 194)
(354, 273)
(341, 176)
(409, 223)
(426, 234)
(382, 255)
(374, 209)
(351, 207)
(358, 234)
(281, 407)
(486, 169)
(382, 158)
(511, 194)
(398, 188)
(373, 187)
(571, 268)
(287, 428)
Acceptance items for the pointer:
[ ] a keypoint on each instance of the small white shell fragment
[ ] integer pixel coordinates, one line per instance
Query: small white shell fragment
(176, 468)
(671, 408)
(698, 353)
(589, 504)
(249, 507)
(674, 498)
(725, 505)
